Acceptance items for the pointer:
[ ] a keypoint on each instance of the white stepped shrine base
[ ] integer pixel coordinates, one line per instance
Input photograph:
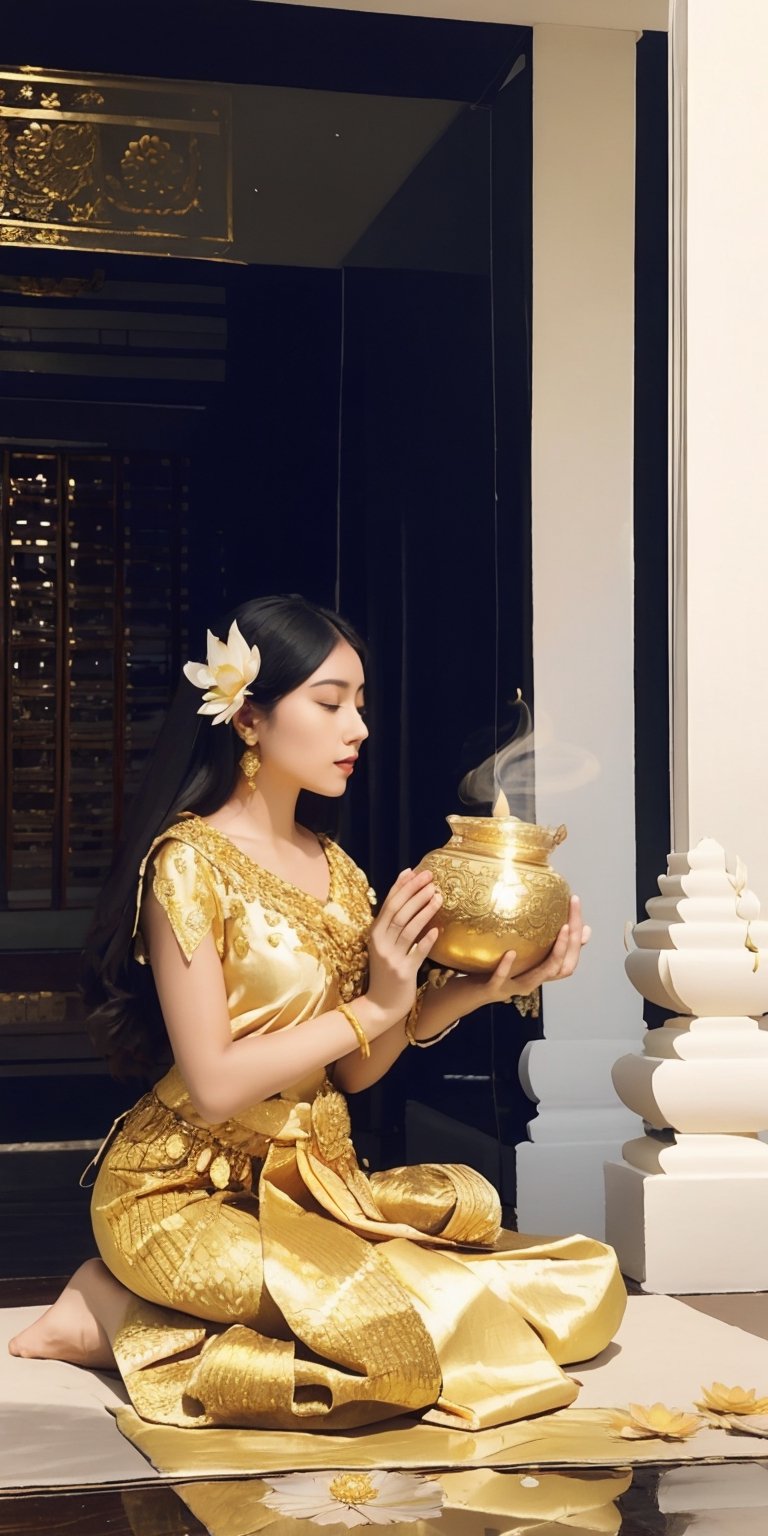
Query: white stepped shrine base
(690, 1213)
(679, 1234)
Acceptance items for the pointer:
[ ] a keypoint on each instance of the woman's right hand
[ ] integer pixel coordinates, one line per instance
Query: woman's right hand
(400, 939)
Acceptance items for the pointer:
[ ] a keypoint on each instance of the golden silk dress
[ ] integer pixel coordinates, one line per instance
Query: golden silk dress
(274, 1283)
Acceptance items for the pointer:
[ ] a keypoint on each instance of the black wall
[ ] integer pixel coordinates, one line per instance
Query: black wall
(651, 532)
(419, 470)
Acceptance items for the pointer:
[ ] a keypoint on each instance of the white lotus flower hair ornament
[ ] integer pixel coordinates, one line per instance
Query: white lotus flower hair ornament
(225, 676)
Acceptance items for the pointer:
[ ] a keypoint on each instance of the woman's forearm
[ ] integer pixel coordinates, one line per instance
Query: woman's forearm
(256, 1067)
(439, 1007)
(354, 1072)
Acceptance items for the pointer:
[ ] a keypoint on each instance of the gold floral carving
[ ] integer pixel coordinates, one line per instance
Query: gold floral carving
(130, 161)
(88, 99)
(55, 287)
(156, 179)
(54, 160)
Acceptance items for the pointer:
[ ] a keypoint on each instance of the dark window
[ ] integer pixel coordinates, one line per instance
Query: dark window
(94, 618)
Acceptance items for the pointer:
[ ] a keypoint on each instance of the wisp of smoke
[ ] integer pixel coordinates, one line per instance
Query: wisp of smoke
(531, 761)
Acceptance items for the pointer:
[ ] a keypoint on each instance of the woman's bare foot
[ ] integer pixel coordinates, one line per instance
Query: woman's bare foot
(79, 1326)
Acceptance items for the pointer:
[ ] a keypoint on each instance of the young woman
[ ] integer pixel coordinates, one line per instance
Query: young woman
(250, 1272)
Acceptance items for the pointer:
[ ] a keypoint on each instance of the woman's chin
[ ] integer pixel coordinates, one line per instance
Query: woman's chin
(328, 791)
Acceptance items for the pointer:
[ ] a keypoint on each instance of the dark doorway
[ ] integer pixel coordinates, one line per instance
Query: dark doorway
(356, 422)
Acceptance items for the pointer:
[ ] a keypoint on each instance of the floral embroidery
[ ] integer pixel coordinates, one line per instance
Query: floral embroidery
(191, 919)
(331, 1141)
(339, 945)
(331, 1125)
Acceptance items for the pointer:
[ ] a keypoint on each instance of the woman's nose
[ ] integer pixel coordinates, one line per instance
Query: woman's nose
(359, 730)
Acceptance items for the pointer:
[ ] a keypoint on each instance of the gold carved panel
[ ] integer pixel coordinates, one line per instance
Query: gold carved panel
(115, 163)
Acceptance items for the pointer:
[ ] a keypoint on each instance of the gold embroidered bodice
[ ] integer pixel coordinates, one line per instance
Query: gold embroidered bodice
(286, 956)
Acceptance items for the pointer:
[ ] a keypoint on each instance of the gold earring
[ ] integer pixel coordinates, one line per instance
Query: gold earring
(250, 763)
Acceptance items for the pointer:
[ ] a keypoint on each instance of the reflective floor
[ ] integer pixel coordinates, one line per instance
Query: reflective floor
(711, 1500)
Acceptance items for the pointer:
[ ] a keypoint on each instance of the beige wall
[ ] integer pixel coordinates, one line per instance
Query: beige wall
(583, 580)
(614, 14)
(720, 513)
(582, 446)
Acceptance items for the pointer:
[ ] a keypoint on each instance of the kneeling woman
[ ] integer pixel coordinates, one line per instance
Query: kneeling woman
(250, 1272)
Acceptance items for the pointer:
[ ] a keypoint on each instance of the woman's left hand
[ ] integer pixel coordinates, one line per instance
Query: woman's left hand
(561, 961)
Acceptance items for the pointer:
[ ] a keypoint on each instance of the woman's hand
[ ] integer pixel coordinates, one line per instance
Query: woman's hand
(395, 948)
(561, 961)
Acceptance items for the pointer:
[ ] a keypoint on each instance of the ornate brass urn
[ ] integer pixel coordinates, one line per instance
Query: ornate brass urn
(498, 891)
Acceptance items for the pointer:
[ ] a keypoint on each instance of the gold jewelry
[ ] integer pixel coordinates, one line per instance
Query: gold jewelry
(360, 1035)
(412, 1019)
(433, 1039)
(250, 763)
(412, 1016)
(439, 976)
(526, 1002)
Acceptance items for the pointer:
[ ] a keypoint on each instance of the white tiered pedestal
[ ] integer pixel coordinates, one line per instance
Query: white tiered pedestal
(687, 1208)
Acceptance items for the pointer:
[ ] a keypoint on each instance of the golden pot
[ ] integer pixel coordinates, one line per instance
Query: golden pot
(498, 892)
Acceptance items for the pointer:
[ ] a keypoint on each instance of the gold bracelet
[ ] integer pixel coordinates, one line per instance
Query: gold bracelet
(360, 1035)
(439, 976)
(411, 1017)
(527, 1003)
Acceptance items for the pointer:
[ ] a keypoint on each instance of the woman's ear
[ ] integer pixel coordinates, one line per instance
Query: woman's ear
(246, 723)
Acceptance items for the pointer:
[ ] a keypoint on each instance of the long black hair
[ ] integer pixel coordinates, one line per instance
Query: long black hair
(193, 767)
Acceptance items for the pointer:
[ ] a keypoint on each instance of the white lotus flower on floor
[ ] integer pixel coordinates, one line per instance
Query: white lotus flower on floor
(355, 1498)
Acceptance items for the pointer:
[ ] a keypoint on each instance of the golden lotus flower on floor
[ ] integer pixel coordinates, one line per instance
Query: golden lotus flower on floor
(721, 1399)
(656, 1422)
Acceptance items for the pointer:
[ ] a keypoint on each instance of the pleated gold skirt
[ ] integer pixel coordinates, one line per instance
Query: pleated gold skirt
(275, 1285)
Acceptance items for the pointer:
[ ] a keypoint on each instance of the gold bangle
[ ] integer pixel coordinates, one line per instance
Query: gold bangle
(412, 1016)
(354, 1023)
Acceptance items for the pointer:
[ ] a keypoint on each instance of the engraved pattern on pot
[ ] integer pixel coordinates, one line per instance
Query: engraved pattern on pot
(498, 892)
(469, 893)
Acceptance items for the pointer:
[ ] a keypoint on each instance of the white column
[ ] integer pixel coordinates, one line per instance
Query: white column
(582, 470)
(720, 436)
